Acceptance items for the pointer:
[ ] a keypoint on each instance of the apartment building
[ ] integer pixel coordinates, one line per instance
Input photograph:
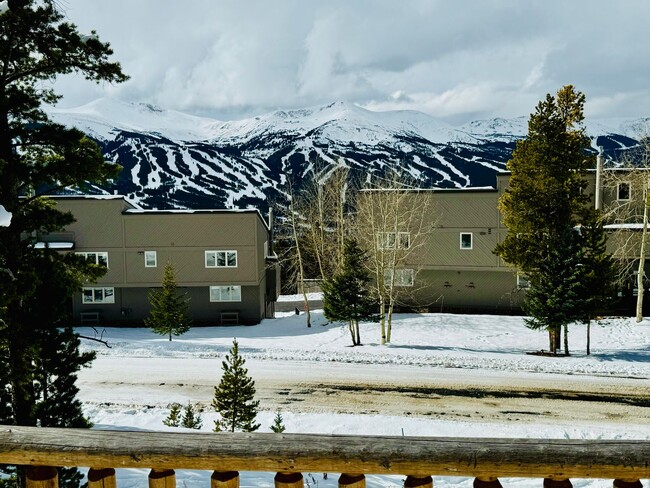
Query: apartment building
(455, 268)
(222, 260)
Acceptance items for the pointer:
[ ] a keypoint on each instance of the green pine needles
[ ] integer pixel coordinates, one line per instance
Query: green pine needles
(278, 423)
(234, 397)
(346, 296)
(168, 315)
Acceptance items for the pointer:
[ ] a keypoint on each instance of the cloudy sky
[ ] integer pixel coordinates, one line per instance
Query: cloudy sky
(455, 60)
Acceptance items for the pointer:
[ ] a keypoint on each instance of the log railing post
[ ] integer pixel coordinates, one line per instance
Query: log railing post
(162, 478)
(352, 481)
(289, 480)
(41, 477)
(487, 482)
(101, 478)
(418, 482)
(625, 483)
(224, 479)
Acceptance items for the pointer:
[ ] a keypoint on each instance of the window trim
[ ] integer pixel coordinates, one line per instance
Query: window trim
(471, 241)
(94, 289)
(389, 241)
(234, 287)
(155, 259)
(97, 254)
(629, 191)
(216, 259)
(523, 283)
(410, 272)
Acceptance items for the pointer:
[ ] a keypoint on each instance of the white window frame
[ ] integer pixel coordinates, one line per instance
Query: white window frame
(523, 283)
(389, 240)
(403, 276)
(97, 255)
(471, 241)
(100, 294)
(149, 254)
(221, 289)
(215, 257)
(618, 191)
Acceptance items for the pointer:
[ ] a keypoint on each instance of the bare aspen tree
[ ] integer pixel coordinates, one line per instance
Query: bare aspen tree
(627, 217)
(392, 223)
(324, 201)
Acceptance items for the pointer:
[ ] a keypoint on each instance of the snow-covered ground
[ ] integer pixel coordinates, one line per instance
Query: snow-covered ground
(494, 345)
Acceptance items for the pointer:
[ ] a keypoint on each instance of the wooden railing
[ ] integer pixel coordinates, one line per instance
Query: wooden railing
(417, 458)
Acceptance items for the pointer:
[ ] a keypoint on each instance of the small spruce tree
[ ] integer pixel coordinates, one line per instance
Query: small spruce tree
(278, 423)
(234, 397)
(168, 314)
(174, 417)
(346, 297)
(191, 418)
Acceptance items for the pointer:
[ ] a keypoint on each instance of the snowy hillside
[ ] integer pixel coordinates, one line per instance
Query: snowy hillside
(171, 159)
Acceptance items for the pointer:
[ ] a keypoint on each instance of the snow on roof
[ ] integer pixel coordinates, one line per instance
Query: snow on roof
(141, 211)
(90, 197)
(637, 226)
(54, 245)
(435, 190)
(5, 217)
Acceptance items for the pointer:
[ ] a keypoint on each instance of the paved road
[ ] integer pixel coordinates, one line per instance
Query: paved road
(470, 395)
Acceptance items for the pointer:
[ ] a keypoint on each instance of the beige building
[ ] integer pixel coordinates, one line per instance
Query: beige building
(222, 260)
(454, 268)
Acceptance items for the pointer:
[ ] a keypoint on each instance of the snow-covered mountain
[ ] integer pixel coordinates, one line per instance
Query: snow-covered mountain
(175, 160)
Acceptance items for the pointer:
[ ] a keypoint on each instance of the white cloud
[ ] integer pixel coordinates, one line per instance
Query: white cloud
(488, 58)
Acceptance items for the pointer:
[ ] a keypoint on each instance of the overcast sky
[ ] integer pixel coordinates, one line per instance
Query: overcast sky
(456, 60)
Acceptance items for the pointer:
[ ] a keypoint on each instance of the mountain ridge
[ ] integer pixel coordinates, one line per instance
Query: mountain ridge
(175, 160)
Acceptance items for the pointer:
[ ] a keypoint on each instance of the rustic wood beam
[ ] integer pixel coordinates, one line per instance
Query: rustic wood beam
(291, 453)
(101, 478)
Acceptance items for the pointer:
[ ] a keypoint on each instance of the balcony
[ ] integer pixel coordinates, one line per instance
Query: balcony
(417, 458)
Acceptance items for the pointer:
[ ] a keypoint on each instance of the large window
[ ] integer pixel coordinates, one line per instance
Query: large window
(389, 240)
(623, 190)
(96, 257)
(403, 277)
(104, 294)
(466, 241)
(229, 293)
(150, 259)
(220, 259)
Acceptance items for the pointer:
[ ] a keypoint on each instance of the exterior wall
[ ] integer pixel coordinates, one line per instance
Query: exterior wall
(111, 225)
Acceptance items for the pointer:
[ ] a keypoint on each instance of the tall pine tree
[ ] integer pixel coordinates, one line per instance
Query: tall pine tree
(168, 315)
(39, 353)
(234, 396)
(545, 200)
(346, 297)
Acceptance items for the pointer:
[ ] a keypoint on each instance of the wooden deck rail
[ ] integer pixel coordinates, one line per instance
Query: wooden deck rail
(418, 458)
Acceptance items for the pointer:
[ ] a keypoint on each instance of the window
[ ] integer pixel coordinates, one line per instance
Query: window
(466, 240)
(229, 293)
(150, 259)
(388, 240)
(104, 294)
(403, 277)
(522, 282)
(96, 257)
(623, 190)
(220, 259)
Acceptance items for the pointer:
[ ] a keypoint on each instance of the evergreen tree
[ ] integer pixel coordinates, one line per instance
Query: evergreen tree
(168, 315)
(191, 418)
(346, 297)
(234, 397)
(546, 198)
(555, 297)
(174, 417)
(38, 358)
(278, 423)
